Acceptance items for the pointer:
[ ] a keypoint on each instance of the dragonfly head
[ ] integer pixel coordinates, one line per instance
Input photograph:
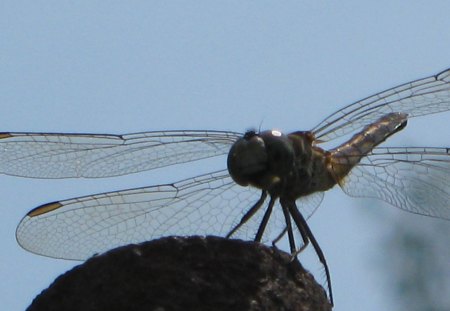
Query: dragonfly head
(261, 159)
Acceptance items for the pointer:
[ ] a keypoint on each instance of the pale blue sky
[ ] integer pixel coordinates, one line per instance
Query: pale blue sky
(121, 66)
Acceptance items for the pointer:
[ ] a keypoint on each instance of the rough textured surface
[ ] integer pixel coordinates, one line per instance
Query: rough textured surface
(192, 273)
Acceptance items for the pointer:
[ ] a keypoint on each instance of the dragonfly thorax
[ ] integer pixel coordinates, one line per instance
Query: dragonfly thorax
(261, 159)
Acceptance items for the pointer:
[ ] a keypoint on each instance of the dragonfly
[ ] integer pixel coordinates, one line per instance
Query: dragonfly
(273, 182)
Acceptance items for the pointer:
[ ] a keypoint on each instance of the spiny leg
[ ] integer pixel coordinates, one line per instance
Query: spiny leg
(285, 204)
(265, 220)
(249, 214)
(308, 235)
(290, 232)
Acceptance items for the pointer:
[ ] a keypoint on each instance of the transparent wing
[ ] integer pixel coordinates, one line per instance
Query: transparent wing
(47, 155)
(309, 204)
(414, 179)
(78, 228)
(416, 98)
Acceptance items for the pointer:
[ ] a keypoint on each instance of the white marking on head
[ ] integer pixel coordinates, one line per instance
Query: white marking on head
(276, 133)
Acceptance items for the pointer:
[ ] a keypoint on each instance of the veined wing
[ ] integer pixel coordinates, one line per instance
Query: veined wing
(416, 98)
(415, 179)
(308, 204)
(59, 155)
(81, 227)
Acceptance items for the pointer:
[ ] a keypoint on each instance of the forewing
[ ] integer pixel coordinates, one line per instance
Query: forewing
(50, 155)
(414, 179)
(79, 228)
(416, 98)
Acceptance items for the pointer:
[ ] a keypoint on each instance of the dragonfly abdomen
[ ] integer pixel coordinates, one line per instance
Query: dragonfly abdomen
(346, 156)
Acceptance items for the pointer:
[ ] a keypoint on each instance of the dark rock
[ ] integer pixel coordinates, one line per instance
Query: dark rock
(193, 273)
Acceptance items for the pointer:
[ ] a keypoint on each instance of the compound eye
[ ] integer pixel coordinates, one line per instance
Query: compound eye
(247, 159)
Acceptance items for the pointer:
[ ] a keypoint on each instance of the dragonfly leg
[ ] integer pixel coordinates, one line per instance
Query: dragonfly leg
(279, 237)
(249, 214)
(307, 234)
(288, 228)
(265, 220)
